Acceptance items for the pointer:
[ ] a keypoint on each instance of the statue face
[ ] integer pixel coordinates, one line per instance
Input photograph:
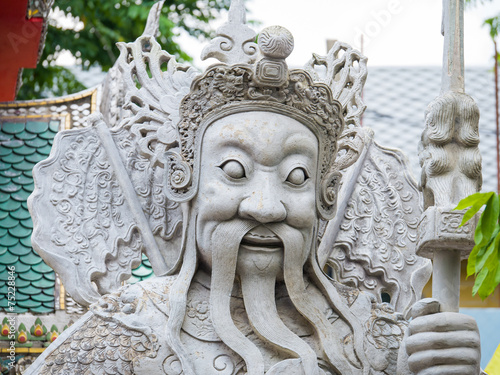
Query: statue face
(261, 168)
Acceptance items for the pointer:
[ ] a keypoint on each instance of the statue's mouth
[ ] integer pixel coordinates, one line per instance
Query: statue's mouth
(261, 239)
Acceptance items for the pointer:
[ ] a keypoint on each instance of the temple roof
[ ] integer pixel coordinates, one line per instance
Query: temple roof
(27, 130)
(143, 272)
(24, 143)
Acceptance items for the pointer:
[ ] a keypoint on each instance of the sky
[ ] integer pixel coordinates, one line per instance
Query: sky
(396, 32)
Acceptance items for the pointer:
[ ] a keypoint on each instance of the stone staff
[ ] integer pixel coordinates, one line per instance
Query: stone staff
(451, 166)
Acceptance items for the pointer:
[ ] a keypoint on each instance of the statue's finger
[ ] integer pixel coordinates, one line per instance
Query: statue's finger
(457, 356)
(442, 322)
(450, 370)
(441, 340)
(425, 306)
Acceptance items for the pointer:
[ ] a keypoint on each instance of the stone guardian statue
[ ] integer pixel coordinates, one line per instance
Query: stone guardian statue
(229, 181)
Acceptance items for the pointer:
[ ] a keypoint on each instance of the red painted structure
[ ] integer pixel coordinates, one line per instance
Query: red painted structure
(19, 42)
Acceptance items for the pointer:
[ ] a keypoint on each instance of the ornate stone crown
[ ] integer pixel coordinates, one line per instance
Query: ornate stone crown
(232, 89)
(267, 85)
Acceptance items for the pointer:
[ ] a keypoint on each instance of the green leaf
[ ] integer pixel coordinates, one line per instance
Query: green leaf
(490, 216)
(494, 25)
(484, 259)
(475, 201)
(479, 281)
(480, 249)
(478, 234)
(488, 284)
(487, 223)
(476, 2)
(471, 263)
(490, 252)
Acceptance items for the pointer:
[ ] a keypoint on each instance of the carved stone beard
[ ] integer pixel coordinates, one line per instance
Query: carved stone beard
(258, 282)
(257, 272)
(225, 243)
(308, 306)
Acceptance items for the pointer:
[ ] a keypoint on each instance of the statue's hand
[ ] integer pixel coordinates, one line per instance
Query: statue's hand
(441, 342)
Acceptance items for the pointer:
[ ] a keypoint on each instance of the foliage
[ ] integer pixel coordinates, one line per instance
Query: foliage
(494, 25)
(484, 260)
(97, 25)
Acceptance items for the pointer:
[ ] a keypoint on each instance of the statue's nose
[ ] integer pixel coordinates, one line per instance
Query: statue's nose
(263, 205)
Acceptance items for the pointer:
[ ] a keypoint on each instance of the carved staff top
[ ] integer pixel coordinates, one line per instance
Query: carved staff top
(451, 165)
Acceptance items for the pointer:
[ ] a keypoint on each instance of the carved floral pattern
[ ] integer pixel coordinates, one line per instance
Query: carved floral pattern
(235, 41)
(153, 101)
(385, 328)
(199, 312)
(451, 223)
(375, 246)
(90, 223)
(164, 216)
(86, 176)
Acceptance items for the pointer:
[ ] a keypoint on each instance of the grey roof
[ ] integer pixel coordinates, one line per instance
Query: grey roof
(398, 96)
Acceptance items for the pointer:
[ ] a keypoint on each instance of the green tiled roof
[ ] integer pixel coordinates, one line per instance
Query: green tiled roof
(22, 145)
(142, 272)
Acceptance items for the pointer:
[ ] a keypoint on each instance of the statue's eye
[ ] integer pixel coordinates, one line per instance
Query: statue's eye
(233, 169)
(298, 176)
